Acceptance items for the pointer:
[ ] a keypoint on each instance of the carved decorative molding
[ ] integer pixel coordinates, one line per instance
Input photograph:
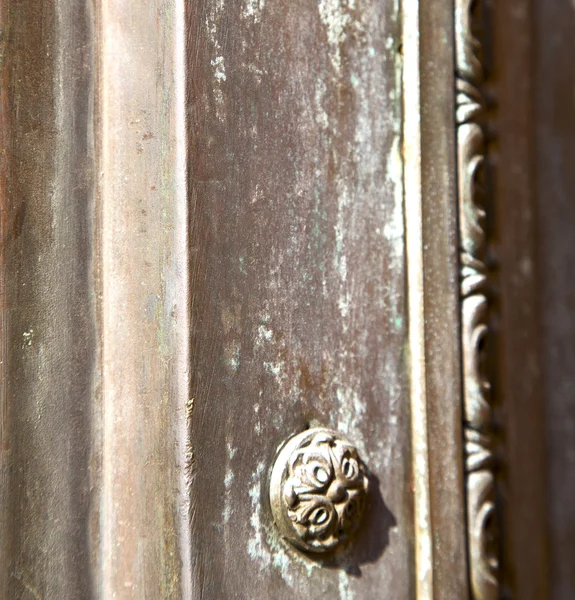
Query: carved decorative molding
(318, 489)
(471, 153)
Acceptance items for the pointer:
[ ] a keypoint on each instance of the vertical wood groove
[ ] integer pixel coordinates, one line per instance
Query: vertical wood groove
(415, 281)
(144, 265)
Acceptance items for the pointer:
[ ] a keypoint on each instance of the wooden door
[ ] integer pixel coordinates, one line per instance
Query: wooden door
(227, 223)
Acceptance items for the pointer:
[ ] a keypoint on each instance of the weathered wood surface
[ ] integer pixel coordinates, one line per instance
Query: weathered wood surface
(514, 227)
(48, 319)
(441, 300)
(297, 283)
(141, 409)
(554, 139)
(143, 305)
(94, 301)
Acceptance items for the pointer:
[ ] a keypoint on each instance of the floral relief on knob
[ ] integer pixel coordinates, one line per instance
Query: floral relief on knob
(318, 490)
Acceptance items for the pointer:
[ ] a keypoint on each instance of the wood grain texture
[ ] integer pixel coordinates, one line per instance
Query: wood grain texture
(441, 300)
(143, 307)
(297, 283)
(512, 231)
(136, 443)
(94, 302)
(554, 131)
(49, 330)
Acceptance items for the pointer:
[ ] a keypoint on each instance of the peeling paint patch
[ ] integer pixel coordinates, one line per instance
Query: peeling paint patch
(220, 77)
(231, 451)
(321, 116)
(344, 592)
(278, 370)
(257, 548)
(336, 17)
(265, 546)
(219, 68)
(394, 230)
(228, 482)
(253, 10)
(351, 410)
(258, 424)
(344, 304)
(340, 258)
(264, 334)
(218, 64)
(232, 354)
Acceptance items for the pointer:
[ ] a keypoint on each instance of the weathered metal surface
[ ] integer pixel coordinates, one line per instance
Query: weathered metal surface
(298, 283)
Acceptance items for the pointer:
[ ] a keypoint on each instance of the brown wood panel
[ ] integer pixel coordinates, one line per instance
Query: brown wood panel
(441, 300)
(143, 306)
(117, 479)
(94, 301)
(48, 320)
(517, 389)
(297, 283)
(554, 133)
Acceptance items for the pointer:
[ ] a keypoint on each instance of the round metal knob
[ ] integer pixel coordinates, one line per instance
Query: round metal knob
(318, 490)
